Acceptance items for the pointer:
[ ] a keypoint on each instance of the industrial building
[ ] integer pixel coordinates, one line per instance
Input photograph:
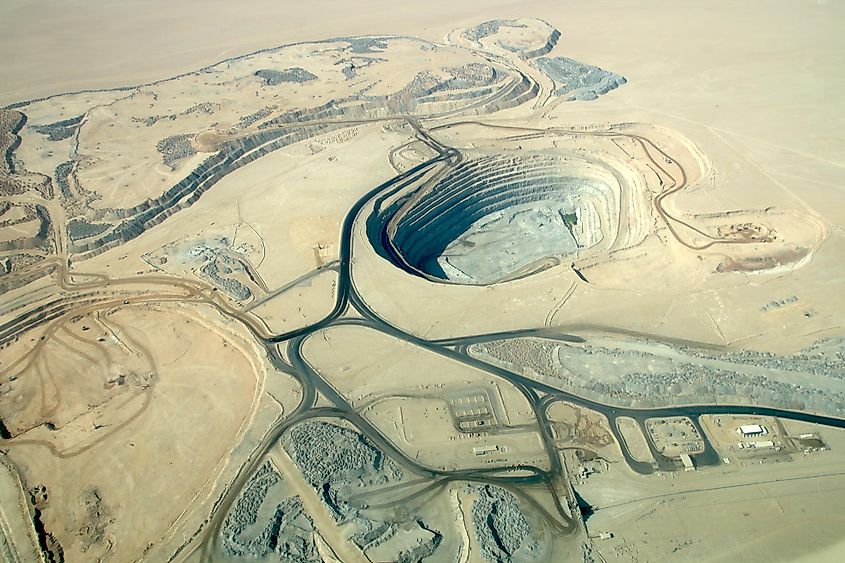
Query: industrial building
(751, 430)
(759, 445)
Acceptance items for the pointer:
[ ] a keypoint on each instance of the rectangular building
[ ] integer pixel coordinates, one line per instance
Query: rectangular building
(764, 444)
(749, 430)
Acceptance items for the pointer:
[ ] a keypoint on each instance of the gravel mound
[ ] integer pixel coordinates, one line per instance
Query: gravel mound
(79, 229)
(252, 118)
(683, 374)
(578, 81)
(339, 462)
(289, 534)
(218, 270)
(487, 29)
(62, 173)
(60, 130)
(500, 526)
(276, 77)
(366, 44)
(176, 147)
(331, 456)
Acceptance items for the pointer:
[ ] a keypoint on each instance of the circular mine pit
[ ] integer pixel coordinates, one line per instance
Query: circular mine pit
(494, 218)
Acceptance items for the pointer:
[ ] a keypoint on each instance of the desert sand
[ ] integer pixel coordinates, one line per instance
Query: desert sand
(457, 282)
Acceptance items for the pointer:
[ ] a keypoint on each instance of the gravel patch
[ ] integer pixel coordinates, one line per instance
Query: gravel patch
(60, 130)
(578, 81)
(176, 147)
(275, 77)
(287, 536)
(500, 526)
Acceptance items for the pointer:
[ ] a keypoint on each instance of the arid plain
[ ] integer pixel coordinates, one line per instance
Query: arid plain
(493, 281)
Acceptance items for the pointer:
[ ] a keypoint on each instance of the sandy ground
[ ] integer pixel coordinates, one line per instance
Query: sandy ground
(774, 511)
(138, 460)
(415, 398)
(69, 38)
(634, 439)
(746, 97)
(336, 537)
(18, 539)
(55, 50)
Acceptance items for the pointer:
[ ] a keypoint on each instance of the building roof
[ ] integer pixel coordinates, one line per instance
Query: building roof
(751, 429)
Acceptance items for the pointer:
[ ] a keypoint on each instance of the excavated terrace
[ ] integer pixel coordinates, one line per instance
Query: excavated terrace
(495, 217)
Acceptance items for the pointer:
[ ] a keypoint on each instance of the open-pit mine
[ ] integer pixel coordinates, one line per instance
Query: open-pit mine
(516, 290)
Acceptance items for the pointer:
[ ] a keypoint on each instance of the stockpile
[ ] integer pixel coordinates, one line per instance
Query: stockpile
(579, 81)
(500, 526)
(287, 536)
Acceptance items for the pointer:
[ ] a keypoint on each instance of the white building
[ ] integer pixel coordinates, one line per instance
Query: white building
(484, 450)
(763, 444)
(749, 430)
